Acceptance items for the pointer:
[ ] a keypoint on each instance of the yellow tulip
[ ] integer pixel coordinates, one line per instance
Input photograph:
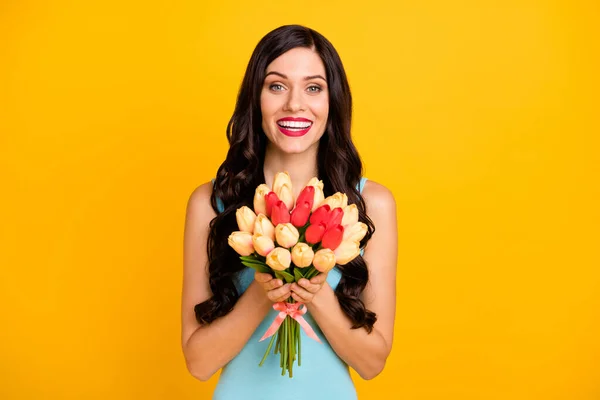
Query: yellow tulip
(324, 260)
(279, 259)
(302, 255)
(350, 215)
(264, 226)
(314, 181)
(245, 219)
(241, 242)
(346, 251)
(336, 200)
(286, 234)
(285, 194)
(355, 232)
(281, 178)
(262, 244)
(260, 207)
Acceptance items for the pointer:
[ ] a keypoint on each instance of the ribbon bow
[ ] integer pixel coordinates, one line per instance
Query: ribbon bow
(295, 312)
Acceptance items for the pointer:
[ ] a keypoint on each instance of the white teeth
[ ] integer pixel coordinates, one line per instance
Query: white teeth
(294, 124)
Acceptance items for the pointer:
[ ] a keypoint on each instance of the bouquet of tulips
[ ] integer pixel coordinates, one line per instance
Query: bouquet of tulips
(293, 239)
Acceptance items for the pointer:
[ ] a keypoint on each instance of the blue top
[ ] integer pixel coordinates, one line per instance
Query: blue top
(322, 375)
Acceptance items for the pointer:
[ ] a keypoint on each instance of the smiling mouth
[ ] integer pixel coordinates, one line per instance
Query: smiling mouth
(294, 126)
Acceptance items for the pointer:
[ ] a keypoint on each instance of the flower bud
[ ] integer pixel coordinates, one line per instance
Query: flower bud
(336, 200)
(320, 215)
(302, 255)
(333, 237)
(318, 196)
(285, 195)
(286, 234)
(241, 242)
(324, 260)
(270, 200)
(281, 178)
(279, 259)
(262, 244)
(355, 232)
(335, 217)
(350, 215)
(300, 214)
(280, 214)
(260, 205)
(314, 233)
(347, 251)
(307, 195)
(263, 226)
(245, 219)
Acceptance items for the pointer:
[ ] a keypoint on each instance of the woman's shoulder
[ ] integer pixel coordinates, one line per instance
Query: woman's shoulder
(199, 200)
(378, 196)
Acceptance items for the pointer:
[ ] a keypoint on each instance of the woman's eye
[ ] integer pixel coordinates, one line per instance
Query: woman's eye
(318, 89)
(275, 87)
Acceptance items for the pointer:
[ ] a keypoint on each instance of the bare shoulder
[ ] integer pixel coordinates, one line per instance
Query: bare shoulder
(378, 197)
(199, 202)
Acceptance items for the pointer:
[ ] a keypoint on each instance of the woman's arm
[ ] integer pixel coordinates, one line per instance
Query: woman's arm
(367, 353)
(208, 348)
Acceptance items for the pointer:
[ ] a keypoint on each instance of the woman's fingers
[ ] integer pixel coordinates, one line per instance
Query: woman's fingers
(281, 292)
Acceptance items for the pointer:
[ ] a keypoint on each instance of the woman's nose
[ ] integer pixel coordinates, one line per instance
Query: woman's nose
(295, 101)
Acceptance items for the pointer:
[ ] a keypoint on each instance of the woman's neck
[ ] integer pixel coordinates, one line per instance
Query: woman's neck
(301, 167)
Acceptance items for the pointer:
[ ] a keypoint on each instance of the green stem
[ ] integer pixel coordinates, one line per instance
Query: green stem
(291, 344)
(267, 352)
(299, 334)
(284, 346)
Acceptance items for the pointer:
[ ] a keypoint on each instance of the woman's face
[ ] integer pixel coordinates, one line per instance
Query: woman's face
(294, 100)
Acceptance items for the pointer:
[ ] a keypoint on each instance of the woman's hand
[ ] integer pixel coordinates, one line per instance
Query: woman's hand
(304, 291)
(275, 290)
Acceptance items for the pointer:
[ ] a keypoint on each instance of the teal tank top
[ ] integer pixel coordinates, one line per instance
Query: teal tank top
(322, 375)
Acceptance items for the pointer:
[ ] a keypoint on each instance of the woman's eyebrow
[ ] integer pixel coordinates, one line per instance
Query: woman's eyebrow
(306, 78)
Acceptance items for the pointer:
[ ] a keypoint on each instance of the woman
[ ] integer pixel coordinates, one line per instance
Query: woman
(293, 114)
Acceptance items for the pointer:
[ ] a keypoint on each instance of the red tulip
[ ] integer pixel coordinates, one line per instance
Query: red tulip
(314, 233)
(280, 213)
(300, 214)
(334, 218)
(321, 214)
(306, 195)
(270, 200)
(333, 237)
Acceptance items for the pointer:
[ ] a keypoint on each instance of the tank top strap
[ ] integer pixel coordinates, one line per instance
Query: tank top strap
(361, 184)
(220, 205)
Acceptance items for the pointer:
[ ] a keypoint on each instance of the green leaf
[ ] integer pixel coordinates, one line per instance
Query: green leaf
(285, 276)
(298, 274)
(257, 267)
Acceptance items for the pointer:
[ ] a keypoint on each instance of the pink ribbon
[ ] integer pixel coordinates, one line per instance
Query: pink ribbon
(294, 311)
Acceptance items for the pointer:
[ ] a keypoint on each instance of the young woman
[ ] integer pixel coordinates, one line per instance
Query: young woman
(293, 114)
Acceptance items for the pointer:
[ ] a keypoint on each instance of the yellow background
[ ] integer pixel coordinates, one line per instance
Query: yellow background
(480, 116)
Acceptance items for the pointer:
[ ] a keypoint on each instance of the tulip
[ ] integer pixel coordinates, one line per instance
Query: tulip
(300, 214)
(355, 232)
(302, 255)
(333, 237)
(245, 219)
(318, 196)
(279, 259)
(336, 200)
(334, 218)
(324, 260)
(307, 195)
(314, 181)
(264, 226)
(260, 206)
(241, 242)
(350, 215)
(285, 195)
(314, 233)
(346, 251)
(270, 199)
(321, 214)
(280, 214)
(286, 234)
(262, 244)
(281, 178)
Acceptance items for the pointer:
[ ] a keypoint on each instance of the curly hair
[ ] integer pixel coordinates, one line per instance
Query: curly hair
(338, 163)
